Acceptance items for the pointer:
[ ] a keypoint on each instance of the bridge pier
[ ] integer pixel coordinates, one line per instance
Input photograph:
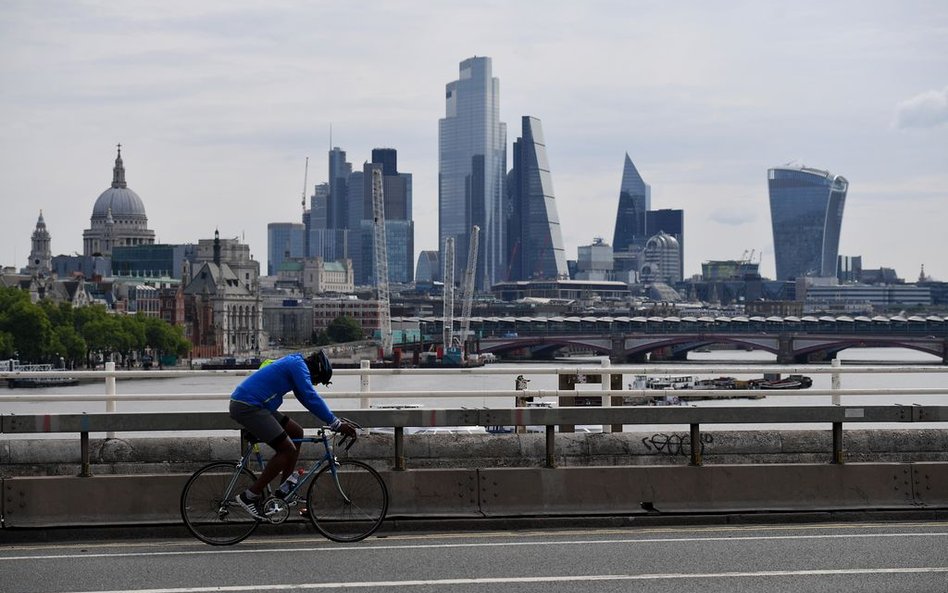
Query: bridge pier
(785, 349)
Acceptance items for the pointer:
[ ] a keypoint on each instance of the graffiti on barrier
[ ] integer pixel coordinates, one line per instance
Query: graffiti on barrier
(674, 444)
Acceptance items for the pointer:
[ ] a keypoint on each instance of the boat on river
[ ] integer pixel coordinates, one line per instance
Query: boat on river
(690, 382)
(34, 382)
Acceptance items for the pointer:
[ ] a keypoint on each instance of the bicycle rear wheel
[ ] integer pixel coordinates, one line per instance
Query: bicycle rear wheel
(353, 509)
(208, 507)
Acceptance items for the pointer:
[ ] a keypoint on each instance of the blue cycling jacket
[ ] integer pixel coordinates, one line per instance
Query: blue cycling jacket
(265, 388)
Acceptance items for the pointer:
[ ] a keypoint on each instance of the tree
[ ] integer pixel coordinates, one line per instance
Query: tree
(71, 346)
(344, 329)
(31, 330)
(7, 347)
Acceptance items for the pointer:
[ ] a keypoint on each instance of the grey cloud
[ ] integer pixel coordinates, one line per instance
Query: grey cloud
(927, 110)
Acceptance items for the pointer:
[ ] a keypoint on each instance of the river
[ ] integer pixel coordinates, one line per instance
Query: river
(474, 382)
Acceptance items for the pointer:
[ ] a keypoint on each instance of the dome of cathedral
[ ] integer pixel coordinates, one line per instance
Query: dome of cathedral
(124, 203)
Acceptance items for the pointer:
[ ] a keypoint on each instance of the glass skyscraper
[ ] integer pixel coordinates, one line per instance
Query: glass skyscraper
(285, 240)
(806, 211)
(472, 163)
(534, 239)
(635, 199)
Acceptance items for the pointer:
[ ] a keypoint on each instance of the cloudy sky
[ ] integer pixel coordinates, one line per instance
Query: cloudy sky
(218, 103)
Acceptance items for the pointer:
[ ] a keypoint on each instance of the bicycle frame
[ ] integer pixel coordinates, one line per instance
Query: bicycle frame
(327, 457)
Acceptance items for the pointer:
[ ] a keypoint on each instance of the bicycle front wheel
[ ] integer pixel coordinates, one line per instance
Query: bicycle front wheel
(208, 507)
(348, 505)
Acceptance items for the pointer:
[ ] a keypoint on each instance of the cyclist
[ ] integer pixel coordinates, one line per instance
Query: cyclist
(254, 405)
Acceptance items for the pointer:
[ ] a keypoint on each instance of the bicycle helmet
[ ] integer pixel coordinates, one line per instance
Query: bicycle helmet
(320, 369)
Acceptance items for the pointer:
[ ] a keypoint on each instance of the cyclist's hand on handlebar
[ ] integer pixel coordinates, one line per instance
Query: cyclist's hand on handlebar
(346, 428)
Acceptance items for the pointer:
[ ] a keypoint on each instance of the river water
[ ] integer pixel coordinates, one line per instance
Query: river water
(475, 383)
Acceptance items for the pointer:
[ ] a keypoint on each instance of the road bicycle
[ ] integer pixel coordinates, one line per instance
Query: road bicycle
(346, 500)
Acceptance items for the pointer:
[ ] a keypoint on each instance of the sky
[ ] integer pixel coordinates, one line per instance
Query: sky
(218, 103)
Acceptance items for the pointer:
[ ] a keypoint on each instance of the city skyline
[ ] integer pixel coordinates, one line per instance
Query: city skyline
(217, 107)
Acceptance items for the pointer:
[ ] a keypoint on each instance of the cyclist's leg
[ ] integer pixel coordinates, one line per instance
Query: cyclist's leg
(294, 431)
(267, 426)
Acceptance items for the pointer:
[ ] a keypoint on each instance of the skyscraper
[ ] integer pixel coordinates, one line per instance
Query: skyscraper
(472, 162)
(806, 211)
(399, 226)
(534, 239)
(285, 240)
(635, 199)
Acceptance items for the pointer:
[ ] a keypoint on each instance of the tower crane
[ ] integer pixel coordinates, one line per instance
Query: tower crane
(381, 264)
(467, 286)
(305, 176)
(448, 277)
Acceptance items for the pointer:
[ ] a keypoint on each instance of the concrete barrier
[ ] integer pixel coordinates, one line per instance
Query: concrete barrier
(47, 501)
(138, 481)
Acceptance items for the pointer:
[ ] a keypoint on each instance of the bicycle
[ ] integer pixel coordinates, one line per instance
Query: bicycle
(346, 500)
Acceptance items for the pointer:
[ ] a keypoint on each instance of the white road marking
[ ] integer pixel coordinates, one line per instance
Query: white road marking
(543, 579)
(422, 546)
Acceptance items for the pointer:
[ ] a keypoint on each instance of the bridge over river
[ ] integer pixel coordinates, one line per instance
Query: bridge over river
(637, 339)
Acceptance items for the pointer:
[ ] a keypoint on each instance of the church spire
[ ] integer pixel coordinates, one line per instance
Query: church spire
(118, 173)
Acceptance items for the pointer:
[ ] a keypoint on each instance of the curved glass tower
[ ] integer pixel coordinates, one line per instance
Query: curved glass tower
(806, 211)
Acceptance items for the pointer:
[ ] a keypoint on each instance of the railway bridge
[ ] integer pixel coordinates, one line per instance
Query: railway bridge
(632, 340)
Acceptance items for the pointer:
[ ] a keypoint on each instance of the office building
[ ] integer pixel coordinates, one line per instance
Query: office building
(635, 199)
(285, 240)
(472, 162)
(671, 222)
(806, 211)
(534, 239)
(661, 259)
(157, 260)
(594, 262)
(428, 270)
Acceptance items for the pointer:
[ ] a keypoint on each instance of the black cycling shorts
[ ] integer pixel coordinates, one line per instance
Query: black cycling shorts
(267, 426)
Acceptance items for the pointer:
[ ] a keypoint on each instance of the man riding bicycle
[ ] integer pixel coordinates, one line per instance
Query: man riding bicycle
(254, 404)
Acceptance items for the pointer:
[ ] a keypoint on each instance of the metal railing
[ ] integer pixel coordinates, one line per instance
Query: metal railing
(607, 414)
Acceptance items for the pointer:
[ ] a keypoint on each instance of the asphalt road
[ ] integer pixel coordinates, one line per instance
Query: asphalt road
(890, 557)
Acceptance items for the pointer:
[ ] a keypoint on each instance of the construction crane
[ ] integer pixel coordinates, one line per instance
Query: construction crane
(448, 278)
(381, 264)
(467, 286)
(305, 176)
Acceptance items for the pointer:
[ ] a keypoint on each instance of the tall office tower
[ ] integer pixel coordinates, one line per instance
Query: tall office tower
(285, 240)
(399, 227)
(635, 199)
(534, 239)
(315, 218)
(472, 162)
(671, 222)
(336, 206)
(806, 211)
(388, 158)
